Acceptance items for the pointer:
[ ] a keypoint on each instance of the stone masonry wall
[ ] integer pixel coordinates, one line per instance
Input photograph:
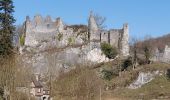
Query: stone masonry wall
(45, 30)
(118, 38)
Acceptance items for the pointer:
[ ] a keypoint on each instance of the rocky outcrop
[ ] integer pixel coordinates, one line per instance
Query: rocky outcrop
(142, 79)
(162, 56)
(166, 55)
(96, 55)
(64, 59)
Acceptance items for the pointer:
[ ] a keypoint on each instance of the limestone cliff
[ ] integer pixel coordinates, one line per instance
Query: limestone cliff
(48, 40)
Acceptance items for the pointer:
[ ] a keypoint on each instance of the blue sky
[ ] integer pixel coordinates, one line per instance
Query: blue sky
(145, 17)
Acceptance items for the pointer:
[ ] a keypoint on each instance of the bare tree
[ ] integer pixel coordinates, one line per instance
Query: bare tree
(100, 21)
(7, 75)
(147, 49)
(14, 73)
(134, 47)
(79, 83)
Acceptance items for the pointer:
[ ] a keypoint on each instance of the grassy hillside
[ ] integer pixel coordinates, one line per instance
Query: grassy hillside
(86, 84)
(159, 88)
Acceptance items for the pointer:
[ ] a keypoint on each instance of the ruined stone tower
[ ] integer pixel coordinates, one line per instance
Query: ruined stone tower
(124, 43)
(59, 24)
(93, 28)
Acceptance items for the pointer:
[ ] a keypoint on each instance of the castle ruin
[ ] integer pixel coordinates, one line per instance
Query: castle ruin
(45, 32)
(162, 56)
(118, 38)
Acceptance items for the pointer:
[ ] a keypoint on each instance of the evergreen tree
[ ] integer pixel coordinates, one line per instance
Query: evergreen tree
(6, 27)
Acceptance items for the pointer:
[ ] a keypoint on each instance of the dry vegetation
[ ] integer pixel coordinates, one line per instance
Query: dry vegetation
(159, 89)
(84, 83)
(154, 43)
(156, 89)
(13, 74)
(78, 84)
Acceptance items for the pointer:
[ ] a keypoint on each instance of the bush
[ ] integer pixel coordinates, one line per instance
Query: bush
(71, 40)
(60, 36)
(108, 50)
(141, 61)
(127, 63)
(107, 74)
(22, 40)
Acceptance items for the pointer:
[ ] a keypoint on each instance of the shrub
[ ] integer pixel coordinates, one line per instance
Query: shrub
(60, 36)
(108, 50)
(71, 40)
(127, 63)
(147, 54)
(22, 40)
(107, 74)
(141, 61)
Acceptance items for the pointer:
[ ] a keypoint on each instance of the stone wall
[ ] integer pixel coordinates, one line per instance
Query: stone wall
(115, 37)
(162, 56)
(50, 41)
(39, 29)
(104, 36)
(167, 53)
(118, 38)
(45, 32)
